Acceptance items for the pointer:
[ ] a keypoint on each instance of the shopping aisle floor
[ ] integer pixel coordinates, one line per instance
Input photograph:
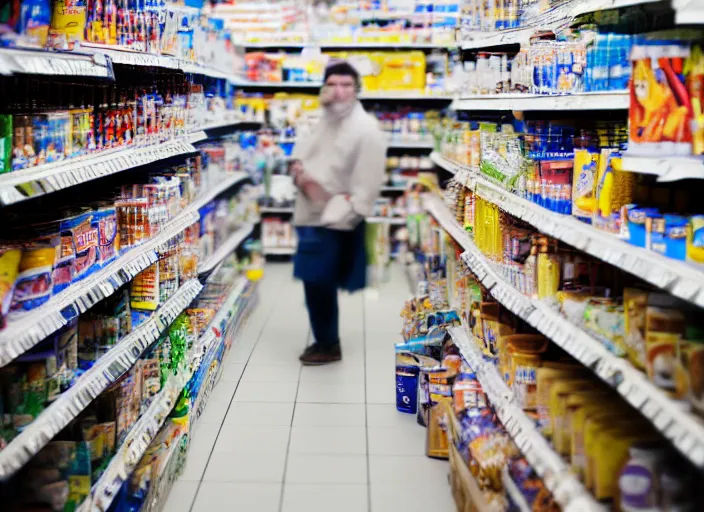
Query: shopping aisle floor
(276, 436)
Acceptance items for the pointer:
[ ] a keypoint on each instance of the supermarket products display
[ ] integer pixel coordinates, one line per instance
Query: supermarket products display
(381, 71)
(157, 28)
(216, 318)
(407, 124)
(590, 63)
(403, 170)
(342, 23)
(503, 392)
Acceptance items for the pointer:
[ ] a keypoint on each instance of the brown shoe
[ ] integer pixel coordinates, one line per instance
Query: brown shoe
(315, 355)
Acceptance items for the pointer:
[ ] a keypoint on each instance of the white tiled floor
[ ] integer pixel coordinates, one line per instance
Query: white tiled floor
(278, 437)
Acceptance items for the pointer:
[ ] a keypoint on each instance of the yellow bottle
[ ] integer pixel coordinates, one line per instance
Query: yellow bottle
(548, 271)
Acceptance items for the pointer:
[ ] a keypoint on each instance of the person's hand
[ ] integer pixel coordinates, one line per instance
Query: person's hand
(327, 95)
(297, 172)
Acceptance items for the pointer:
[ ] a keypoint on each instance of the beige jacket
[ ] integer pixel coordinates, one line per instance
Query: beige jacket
(347, 156)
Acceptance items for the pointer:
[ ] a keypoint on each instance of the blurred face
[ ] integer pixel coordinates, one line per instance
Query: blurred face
(340, 89)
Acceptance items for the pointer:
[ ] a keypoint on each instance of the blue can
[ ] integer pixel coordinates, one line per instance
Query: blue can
(407, 388)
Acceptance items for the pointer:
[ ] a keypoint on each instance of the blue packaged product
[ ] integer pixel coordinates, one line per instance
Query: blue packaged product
(407, 388)
(40, 137)
(34, 21)
(637, 218)
(105, 222)
(676, 237)
(85, 243)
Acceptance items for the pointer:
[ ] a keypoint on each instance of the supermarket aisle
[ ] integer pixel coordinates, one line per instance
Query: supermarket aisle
(276, 436)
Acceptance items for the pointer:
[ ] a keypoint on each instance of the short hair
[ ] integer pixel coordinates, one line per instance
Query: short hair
(344, 68)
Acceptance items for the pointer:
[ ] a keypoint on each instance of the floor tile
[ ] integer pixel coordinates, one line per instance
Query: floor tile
(240, 353)
(203, 435)
(331, 394)
(196, 463)
(271, 373)
(381, 415)
(325, 498)
(215, 410)
(265, 392)
(223, 391)
(181, 497)
(260, 413)
(403, 469)
(232, 372)
(246, 467)
(397, 440)
(329, 415)
(226, 497)
(328, 440)
(346, 372)
(386, 498)
(250, 438)
(326, 469)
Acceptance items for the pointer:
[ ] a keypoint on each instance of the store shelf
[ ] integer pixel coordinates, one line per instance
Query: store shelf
(134, 446)
(214, 331)
(667, 169)
(394, 221)
(547, 463)
(688, 12)
(276, 209)
(53, 63)
(44, 179)
(404, 96)
(685, 431)
(242, 82)
(279, 251)
(411, 144)
(681, 279)
(343, 46)
(23, 333)
(548, 21)
(227, 248)
(107, 370)
(394, 188)
(616, 100)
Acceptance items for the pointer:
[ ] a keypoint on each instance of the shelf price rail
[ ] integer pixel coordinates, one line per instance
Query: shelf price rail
(684, 430)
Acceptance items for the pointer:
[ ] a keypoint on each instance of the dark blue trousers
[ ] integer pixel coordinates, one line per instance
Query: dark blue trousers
(328, 260)
(321, 302)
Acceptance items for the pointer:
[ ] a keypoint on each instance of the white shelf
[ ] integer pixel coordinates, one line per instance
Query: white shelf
(547, 463)
(667, 169)
(25, 184)
(23, 333)
(279, 251)
(107, 370)
(616, 100)
(549, 21)
(681, 279)
(410, 144)
(242, 82)
(394, 188)
(688, 12)
(222, 252)
(348, 46)
(276, 209)
(683, 429)
(42, 62)
(394, 221)
(404, 95)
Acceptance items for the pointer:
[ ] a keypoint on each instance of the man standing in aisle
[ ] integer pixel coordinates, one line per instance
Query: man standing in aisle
(339, 169)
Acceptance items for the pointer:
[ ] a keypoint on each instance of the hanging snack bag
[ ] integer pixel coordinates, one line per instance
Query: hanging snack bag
(661, 110)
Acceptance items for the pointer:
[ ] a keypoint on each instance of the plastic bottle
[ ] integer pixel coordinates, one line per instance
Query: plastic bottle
(638, 482)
